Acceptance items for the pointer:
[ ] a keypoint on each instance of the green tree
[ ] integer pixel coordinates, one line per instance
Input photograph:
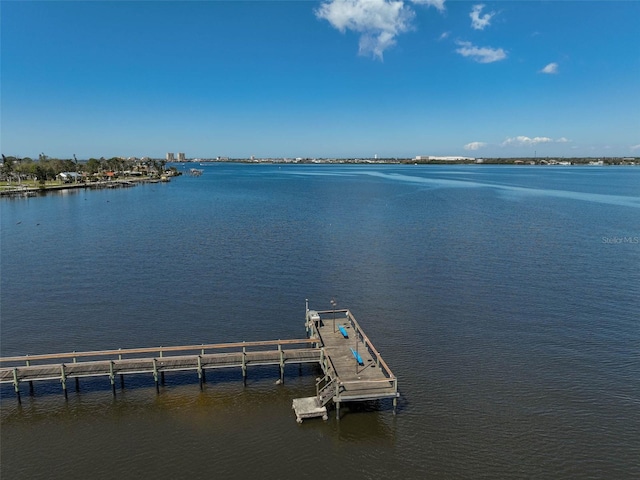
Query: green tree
(93, 166)
(7, 167)
(40, 172)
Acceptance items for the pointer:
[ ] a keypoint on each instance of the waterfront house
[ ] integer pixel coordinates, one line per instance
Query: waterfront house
(69, 177)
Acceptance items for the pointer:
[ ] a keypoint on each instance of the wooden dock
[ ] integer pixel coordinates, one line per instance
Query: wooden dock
(352, 367)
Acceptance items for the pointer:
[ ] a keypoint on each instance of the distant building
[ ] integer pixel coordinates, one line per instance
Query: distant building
(181, 157)
(170, 157)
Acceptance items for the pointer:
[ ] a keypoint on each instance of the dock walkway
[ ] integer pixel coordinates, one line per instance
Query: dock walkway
(155, 361)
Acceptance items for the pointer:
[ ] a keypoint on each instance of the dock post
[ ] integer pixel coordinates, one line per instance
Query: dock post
(112, 378)
(161, 373)
(244, 365)
(16, 384)
(338, 410)
(155, 375)
(77, 380)
(395, 399)
(63, 381)
(200, 371)
(121, 375)
(30, 382)
(281, 363)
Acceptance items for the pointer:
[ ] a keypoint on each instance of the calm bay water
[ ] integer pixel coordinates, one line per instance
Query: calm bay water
(506, 300)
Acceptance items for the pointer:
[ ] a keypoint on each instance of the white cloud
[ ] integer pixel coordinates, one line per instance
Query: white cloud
(377, 21)
(439, 4)
(475, 145)
(635, 147)
(550, 69)
(480, 22)
(522, 141)
(444, 36)
(481, 54)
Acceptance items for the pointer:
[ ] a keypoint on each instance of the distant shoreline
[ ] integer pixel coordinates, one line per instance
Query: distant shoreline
(24, 191)
(578, 161)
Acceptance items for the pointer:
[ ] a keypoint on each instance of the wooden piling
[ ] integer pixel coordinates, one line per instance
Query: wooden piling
(63, 381)
(244, 364)
(112, 378)
(28, 363)
(155, 374)
(281, 363)
(16, 384)
(121, 376)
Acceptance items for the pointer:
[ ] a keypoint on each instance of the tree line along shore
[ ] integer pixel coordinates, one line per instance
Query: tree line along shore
(28, 176)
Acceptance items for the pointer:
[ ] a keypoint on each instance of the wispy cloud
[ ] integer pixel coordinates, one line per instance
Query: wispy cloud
(378, 22)
(480, 54)
(480, 22)
(444, 36)
(551, 68)
(523, 141)
(635, 147)
(475, 145)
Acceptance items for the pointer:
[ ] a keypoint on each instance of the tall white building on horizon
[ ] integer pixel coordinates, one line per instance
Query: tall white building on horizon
(170, 157)
(181, 157)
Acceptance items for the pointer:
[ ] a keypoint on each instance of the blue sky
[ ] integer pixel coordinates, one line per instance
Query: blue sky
(341, 78)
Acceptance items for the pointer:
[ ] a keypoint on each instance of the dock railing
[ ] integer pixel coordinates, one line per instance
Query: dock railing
(155, 352)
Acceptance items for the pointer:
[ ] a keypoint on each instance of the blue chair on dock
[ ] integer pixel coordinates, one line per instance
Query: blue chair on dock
(343, 331)
(357, 356)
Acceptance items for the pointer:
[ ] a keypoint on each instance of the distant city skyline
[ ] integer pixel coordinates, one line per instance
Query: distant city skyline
(320, 79)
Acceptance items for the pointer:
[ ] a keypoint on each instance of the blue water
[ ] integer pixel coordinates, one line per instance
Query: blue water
(505, 299)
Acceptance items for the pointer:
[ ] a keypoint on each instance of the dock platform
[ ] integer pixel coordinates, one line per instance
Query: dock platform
(354, 370)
